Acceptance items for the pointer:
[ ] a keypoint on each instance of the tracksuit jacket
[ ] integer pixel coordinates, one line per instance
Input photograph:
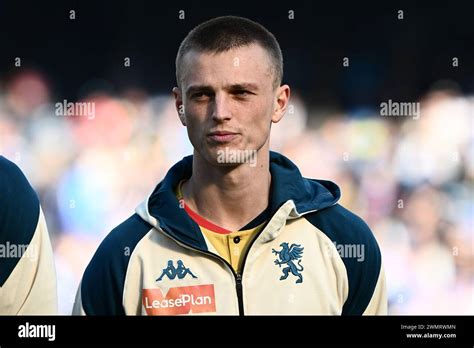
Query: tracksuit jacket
(27, 271)
(312, 257)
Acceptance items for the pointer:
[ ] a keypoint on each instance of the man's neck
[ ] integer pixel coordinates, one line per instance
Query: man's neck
(230, 197)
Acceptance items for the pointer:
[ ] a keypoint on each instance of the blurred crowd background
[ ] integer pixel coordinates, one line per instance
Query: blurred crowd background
(410, 179)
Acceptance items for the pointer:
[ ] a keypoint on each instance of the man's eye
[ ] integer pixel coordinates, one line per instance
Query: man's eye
(242, 93)
(199, 95)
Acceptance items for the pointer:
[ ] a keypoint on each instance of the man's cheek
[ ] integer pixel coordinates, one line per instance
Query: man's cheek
(194, 136)
(260, 134)
(193, 125)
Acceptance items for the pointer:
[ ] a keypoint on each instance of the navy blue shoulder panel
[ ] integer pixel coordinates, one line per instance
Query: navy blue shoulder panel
(358, 250)
(104, 278)
(19, 214)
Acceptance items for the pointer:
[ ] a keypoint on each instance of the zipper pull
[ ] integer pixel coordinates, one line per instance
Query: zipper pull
(238, 285)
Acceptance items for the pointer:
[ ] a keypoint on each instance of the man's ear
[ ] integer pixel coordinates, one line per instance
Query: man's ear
(281, 102)
(178, 101)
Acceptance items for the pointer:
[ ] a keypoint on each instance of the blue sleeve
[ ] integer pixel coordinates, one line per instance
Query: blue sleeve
(345, 228)
(104, 278)
(19, 214)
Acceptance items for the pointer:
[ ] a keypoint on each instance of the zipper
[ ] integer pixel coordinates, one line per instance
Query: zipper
(237, 276)
(238, 285)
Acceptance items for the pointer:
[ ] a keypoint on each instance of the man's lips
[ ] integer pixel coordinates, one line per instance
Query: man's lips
(222, 136)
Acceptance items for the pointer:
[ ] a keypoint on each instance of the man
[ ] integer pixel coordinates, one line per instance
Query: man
(27, 272)
(257, 236)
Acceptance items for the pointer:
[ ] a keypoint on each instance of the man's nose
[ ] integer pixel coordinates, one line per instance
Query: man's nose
(221, 108)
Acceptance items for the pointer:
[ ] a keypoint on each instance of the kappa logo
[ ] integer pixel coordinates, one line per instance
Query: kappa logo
(172, 272)
(287, 255)
(180, 300)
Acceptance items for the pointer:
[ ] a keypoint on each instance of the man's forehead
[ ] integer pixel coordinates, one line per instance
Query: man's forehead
(247, 60)
(252, 48)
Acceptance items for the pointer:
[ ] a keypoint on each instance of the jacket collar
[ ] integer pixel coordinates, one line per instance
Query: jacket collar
(162, 209)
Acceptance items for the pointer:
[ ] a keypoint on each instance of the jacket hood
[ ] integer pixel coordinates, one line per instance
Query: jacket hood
(161, 209)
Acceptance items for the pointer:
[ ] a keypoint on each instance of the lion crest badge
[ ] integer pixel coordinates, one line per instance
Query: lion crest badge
(288, 255)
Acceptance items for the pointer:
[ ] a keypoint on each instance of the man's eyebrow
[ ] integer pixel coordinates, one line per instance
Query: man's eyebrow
(234, 87)
(245, 85)
(198, 88)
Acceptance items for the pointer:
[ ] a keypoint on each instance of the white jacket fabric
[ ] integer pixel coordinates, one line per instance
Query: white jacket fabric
(312, 257)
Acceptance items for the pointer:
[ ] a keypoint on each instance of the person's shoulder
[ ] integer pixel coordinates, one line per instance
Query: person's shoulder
(341, 225)
(357, 247)
(7, 166)
(126, 234)
(14, 184)
(104, 278)
(19, 202)
(19, 214)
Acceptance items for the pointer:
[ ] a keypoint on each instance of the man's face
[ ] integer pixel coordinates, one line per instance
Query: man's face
(228, 101)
